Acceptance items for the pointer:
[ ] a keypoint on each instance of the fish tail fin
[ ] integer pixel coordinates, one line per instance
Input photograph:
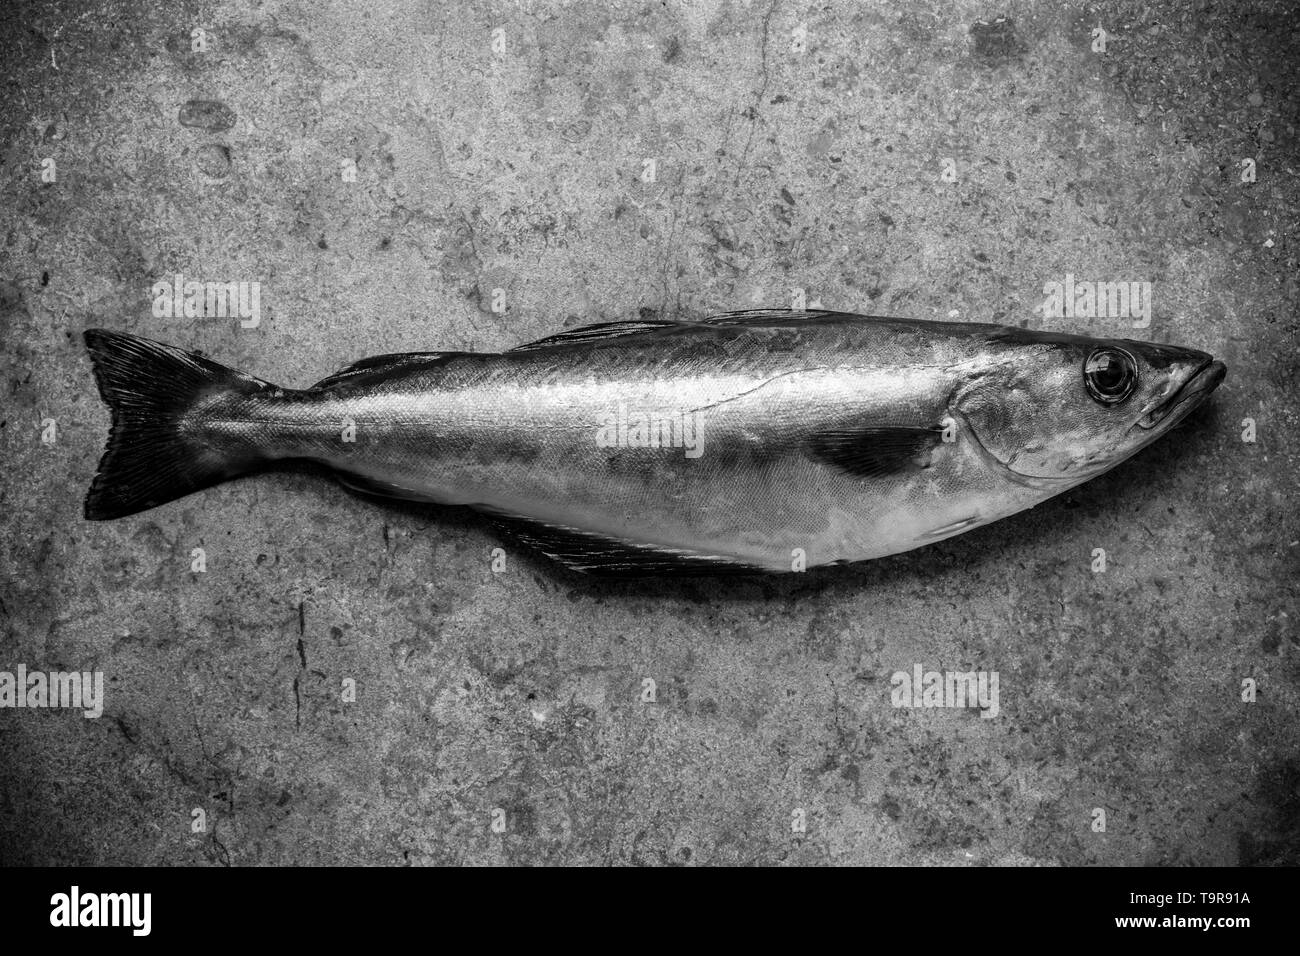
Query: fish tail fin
(149, 389)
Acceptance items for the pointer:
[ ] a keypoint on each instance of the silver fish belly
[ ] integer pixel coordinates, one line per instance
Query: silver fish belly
(771, 440)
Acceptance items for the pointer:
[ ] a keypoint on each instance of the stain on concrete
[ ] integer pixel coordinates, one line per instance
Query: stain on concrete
(997, 41)
(211, 116)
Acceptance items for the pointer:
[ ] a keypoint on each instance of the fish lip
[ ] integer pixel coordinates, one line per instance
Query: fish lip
(1193, 391)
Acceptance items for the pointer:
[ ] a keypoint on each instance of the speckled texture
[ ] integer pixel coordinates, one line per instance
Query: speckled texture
(522, 691)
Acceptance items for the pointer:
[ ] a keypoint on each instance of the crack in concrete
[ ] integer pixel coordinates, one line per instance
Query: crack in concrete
(762, 88)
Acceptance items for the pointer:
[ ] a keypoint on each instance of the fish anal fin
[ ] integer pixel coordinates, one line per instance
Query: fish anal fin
(873, 451)
(598, 554)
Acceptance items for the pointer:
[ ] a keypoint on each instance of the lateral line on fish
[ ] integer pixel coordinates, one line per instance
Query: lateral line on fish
(860, 369)
(759, 387)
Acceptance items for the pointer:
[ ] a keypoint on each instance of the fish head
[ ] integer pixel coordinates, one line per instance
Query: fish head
(1056, 407)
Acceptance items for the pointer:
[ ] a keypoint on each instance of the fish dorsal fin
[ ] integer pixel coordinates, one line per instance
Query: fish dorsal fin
(595, 333)
(874, 451)
(612, 330)
(766, 316)
(377, 365)
(598, 554)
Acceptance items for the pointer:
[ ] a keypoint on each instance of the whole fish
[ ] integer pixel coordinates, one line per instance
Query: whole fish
(768, 440)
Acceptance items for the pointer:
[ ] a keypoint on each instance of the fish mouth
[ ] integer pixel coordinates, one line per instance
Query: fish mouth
(1193, 391)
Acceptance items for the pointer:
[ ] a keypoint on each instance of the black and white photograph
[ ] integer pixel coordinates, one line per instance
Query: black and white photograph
(651, 433)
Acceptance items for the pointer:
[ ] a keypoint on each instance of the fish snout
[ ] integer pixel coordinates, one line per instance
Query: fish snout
(1199, 374)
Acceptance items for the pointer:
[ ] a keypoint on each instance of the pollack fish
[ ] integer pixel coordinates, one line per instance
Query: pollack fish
(767, 440)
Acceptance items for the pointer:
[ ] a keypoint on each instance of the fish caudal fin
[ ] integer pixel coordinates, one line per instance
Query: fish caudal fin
(150, 388)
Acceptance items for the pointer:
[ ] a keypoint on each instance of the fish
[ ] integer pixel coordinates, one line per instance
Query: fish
(753, 442)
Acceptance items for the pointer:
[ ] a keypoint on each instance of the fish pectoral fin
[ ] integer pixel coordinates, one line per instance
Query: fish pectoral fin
(874, 451)
(595, 333)
(598, 554)
(377, 366)
(381, 489)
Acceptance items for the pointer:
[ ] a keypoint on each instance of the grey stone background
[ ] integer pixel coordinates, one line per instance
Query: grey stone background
(776, 169)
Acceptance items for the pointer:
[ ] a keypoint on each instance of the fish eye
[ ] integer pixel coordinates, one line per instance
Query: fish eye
(1111, 375)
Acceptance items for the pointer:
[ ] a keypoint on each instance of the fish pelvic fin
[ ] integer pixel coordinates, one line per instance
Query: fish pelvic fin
(149, 388)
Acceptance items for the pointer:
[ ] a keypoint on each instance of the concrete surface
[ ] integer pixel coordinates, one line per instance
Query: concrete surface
(776, 168)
